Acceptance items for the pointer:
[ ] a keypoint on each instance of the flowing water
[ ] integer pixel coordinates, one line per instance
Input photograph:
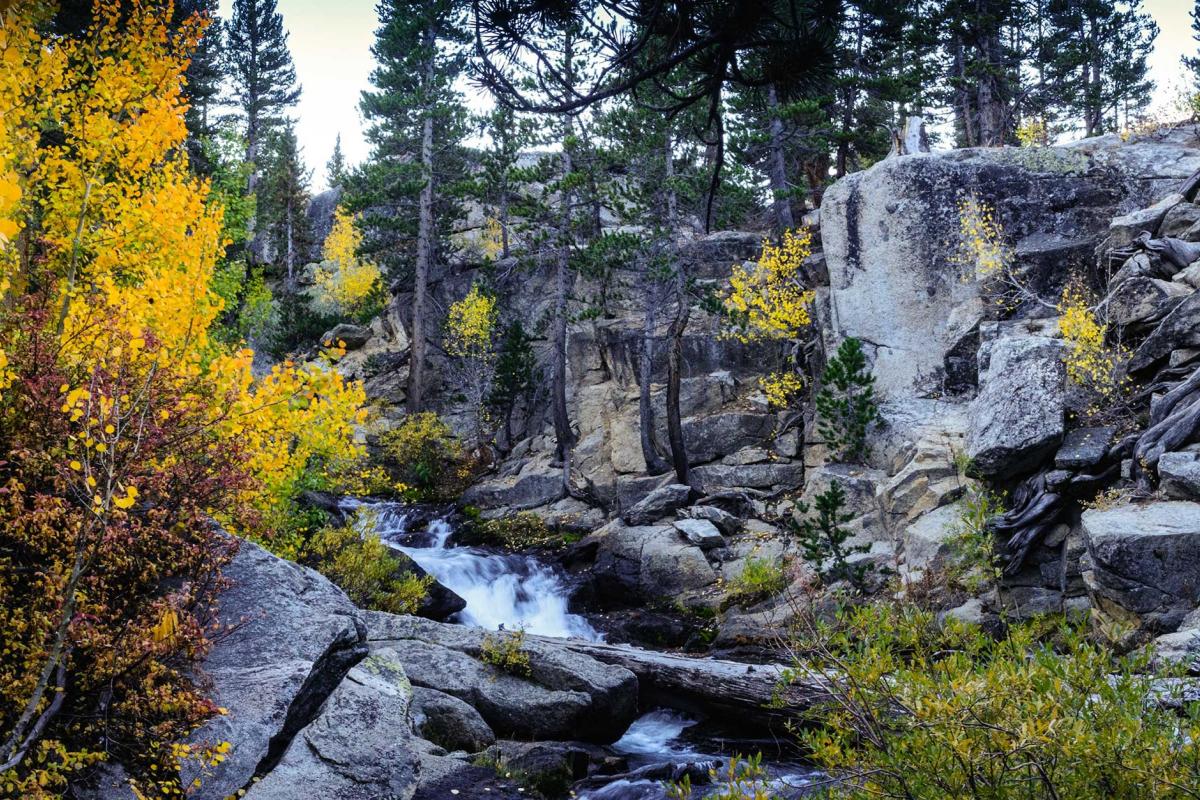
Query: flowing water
(511, 591)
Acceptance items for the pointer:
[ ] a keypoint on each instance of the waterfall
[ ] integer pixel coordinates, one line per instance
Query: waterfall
(501, 589)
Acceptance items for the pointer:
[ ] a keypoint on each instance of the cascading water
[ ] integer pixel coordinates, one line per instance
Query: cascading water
(513, 591)
(519, 592)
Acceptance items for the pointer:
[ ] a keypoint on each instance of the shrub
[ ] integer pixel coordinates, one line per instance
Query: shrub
(824, 539)
(506, 651)
(427, 457)
(1091, 363)
(929, 711)
(846, 404)
(366, 569)
(976, 563)
(782, 389)
(758, 580)
(470, 343)
(743, 778)
(346, 284)
(769, 301)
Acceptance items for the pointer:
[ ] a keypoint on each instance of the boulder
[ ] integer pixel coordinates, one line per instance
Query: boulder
(1189, 277)
(449, 722)
(1143, 300)
(660, 503)
(439, 602)
(538, 484)
(701, 533)
(894, 282)
(1180, 328)
(352, 337)
(1179, 220)
(358, 748)
(647, 563)
(548, 768)
(1145, 560)
(293, 636)
(1179, 475)
(710, 437)
(779, 475)
(929, 542)
(565, 695)
(727, 523)
(1127, 227)
(1084, 448)
(1018, 417)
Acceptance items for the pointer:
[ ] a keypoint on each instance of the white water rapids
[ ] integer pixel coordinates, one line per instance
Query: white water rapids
(513, 591)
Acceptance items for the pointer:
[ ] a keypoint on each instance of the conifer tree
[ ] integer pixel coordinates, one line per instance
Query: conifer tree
(261, 70)
(1192, 62)
(283, 204)
(416, 125)
(335, 168)
(204, 76)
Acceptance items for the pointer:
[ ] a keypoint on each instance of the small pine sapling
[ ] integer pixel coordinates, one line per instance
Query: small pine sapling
(823, 539)
(846, 404)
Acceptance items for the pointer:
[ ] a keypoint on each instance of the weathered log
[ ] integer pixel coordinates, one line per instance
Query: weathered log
(1036, 509)
(741, 695)
(1174, 251)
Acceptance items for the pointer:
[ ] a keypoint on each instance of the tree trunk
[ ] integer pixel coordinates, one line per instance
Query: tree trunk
(679, 459)
(778, 167)
(425, 233)
(564, 436)
(655, 464)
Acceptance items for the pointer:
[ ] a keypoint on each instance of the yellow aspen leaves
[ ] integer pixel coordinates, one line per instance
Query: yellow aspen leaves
(1090, 362)
(981, 249)
(768, 300)
(471, 324)
(344, 281)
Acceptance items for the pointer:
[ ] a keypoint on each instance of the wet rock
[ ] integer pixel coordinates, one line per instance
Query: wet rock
(701, 533)
(439, 602)
(449, 722)
(1145, 560)
(1179, 475)
(660, 503)
(545, 767)
(1084, 447)
(1018, 417)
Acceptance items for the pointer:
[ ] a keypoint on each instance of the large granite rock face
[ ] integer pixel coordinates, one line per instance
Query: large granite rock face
(1145, 562)
(1019, 416)
(565, 695)
(647, 563)
(886, 230)
(293, 637)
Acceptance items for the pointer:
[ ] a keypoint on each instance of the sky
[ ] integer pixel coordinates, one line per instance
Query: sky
(331, 46)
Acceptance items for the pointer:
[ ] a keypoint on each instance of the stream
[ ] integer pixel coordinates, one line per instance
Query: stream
(512, 591)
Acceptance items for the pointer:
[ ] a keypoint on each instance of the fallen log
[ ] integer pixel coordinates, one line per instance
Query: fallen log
(734, 693)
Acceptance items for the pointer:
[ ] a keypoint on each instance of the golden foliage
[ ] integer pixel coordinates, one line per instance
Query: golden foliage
(781, 388)
(345, 282)
(1091, 363)
(471, 325)
(768, 300)
(1033, 133)
(981, 247)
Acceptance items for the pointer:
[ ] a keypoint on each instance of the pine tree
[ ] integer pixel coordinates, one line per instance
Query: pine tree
(416, 125)
(261, 69)
(283, 204)
(1193, 62)
(514, 379)
(335, 168)
(846, 404)
(1098, 64)
(204, 76)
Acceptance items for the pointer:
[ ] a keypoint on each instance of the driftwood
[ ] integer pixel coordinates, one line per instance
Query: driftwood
(1036, 509)
(1174, 420)
(745, 695)
(1174, 251)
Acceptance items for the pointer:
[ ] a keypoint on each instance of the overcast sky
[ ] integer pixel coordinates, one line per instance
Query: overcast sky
(331, 44)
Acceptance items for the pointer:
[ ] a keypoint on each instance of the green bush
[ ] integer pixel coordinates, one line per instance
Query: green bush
(946, 712)
(506, 651)
(759, 579)
(427, 457)
(846, 404)
(366, 569)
